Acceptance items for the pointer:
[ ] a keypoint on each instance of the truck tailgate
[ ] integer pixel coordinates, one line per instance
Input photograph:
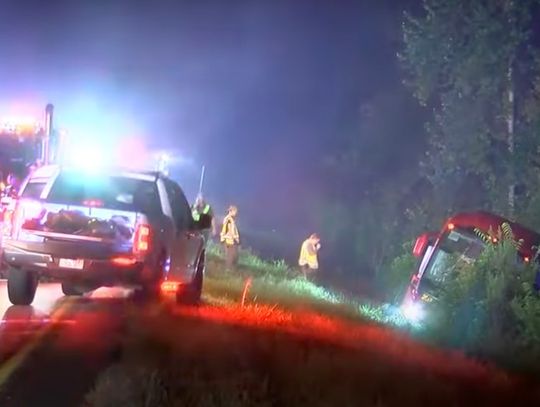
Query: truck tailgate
(72, 231)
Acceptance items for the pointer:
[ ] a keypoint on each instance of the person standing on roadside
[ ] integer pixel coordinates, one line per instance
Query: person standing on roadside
(13, 184)
(308, 260)
(230, 237)
(201, 207)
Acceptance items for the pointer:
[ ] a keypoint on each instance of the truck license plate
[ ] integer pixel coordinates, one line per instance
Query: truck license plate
(77, 264)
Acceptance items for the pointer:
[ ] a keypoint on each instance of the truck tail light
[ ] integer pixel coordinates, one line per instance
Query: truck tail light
(141, 243)
(169, 286)
(124, 261)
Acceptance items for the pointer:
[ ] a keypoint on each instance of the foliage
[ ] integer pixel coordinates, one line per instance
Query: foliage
(393, 279)
(464, 59)
(247, 258)
(489, 307)
(292, 291)
(250, 260)
(368, 185)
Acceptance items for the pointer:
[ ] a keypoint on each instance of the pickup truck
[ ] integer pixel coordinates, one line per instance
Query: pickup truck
(103, 228)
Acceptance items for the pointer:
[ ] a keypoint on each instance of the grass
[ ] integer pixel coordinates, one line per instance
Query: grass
(264, 356)
(247, 259)
(291, 343)
(274, 281)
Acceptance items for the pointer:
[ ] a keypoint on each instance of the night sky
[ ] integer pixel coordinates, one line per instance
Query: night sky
(259, 91)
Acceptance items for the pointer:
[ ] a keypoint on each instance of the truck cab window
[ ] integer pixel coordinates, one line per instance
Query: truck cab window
(33, 189)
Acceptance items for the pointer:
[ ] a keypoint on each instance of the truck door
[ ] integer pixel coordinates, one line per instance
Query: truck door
(187, 242)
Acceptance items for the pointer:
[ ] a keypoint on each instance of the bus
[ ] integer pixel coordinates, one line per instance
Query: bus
(458, 236)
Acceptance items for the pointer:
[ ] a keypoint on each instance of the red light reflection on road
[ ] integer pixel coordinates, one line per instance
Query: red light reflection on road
(22, 323)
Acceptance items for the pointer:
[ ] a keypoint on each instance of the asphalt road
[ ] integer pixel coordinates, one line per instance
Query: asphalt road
(52, 351)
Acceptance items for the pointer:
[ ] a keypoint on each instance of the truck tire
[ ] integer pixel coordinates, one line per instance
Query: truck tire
(150, 290)
(22, 286)
(191, 295)
(72, 289)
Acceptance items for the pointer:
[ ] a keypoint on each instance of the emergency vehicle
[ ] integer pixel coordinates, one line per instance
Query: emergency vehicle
(435, 251)
(25, 143)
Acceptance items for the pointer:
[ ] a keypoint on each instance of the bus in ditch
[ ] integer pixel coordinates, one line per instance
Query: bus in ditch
(459, 235)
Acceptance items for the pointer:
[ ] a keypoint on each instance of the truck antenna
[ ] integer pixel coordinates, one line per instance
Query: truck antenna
(202, 180)
(46, 143)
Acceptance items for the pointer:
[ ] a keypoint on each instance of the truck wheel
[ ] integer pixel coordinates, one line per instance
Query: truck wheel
(150, 289)
(191, 295)
(22, 286)
(72, 289)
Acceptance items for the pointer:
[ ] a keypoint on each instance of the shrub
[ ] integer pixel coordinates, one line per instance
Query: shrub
(489, 307)
(393, 279)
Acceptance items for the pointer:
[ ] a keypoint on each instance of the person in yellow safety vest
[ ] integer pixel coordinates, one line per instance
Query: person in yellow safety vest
(230, 237)
(202, 208)
(308, 260)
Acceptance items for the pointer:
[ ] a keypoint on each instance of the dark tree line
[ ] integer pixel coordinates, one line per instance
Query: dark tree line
(474, 69)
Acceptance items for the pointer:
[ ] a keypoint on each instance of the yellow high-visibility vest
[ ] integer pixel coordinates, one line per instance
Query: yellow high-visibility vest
(197, 215)
(229, 232)
(308, 255)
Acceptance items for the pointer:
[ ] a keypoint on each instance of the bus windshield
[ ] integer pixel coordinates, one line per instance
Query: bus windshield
(457, 245)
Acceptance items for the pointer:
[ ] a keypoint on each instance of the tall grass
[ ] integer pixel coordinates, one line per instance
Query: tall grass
(291, 290)
(248, 259)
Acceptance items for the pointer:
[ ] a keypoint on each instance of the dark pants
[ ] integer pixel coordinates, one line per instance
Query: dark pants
(307, 271)
(231, 255)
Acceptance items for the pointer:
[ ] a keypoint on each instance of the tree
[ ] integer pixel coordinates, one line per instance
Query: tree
(370, 177)
(471, 63)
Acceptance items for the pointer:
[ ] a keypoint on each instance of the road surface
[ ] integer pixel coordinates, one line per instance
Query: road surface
(52, 351)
